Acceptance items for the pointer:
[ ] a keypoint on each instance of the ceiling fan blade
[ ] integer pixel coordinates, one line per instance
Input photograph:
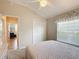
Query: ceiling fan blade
(39, 7)
(31, 1)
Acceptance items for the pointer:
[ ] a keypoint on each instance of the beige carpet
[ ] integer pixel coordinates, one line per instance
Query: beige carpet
(16, 54)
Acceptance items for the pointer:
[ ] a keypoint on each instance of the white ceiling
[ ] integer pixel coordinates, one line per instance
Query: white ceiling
(55, 7)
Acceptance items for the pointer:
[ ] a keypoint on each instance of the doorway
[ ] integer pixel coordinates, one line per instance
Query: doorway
(11, 29)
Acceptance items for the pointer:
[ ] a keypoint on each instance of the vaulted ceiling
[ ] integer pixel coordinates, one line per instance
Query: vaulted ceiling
(55, 7)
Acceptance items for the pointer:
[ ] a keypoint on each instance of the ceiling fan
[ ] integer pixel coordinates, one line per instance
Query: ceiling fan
(42, 3)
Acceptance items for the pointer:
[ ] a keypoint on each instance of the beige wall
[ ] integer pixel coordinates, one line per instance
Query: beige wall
(26, 18)
(13, 20)
(52, 26)
(3, 43)
(51, 30)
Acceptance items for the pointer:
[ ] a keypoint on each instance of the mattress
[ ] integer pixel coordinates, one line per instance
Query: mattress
(52, 50)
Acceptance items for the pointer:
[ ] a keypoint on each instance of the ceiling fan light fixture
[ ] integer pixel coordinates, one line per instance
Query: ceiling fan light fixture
(43, 3)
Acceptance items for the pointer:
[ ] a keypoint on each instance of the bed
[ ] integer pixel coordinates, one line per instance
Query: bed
(52, 50)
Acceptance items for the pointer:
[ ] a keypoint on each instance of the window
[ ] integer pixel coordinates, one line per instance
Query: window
(68, 32)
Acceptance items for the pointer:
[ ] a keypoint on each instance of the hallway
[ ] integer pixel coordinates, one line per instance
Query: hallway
(16, 54)
(12, 44)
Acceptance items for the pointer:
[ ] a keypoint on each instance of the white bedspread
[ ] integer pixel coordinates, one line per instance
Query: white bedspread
(52, 50)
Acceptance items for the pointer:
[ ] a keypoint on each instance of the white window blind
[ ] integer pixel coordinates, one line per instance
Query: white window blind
(68, 32)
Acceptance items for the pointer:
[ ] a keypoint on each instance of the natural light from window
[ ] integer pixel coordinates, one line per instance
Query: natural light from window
(68, 31)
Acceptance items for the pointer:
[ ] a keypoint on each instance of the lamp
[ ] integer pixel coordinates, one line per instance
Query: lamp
(43, 3)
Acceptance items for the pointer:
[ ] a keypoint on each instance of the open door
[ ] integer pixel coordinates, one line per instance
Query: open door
(12, 32)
